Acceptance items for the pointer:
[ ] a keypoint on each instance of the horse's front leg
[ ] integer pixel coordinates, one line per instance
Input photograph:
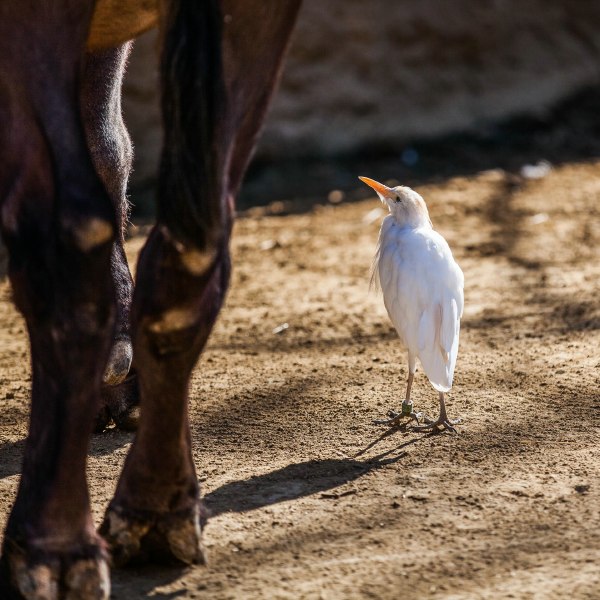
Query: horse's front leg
(212, 110)
(59, 226)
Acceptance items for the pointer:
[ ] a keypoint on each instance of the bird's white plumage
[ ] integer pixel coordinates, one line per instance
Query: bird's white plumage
(422, 287)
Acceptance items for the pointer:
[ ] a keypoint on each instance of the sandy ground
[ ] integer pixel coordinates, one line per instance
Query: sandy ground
(309, 498)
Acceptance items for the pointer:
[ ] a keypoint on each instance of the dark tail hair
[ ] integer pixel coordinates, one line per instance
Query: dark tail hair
(193, 96)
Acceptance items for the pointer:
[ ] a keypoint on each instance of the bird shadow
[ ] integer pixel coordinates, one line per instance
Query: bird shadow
(393, 430)
(294, 481)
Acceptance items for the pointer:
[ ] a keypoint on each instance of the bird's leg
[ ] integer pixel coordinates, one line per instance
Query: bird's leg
(407, 405)
(407, 408)
(441, 423)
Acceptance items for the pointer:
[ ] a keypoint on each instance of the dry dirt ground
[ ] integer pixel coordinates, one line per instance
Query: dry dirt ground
(309, 498)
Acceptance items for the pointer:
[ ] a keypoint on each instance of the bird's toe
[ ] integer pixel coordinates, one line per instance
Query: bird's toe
(437, 426)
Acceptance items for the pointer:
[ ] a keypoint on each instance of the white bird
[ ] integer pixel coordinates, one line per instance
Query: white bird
(422, 291)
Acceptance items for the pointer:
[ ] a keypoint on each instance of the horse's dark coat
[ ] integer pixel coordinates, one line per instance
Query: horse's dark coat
(64, 161)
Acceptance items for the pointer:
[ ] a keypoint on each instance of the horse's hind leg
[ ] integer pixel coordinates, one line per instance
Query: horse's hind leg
(212, 112)
(59, 226)
(111, 151)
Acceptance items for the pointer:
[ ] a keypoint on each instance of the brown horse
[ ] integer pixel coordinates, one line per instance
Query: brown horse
(64, 161)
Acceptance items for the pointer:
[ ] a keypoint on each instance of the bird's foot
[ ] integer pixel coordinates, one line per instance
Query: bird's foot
(442, 423)
(394, 418)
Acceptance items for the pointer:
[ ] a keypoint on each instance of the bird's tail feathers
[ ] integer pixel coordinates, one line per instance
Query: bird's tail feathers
(440, 388)
(439, 366)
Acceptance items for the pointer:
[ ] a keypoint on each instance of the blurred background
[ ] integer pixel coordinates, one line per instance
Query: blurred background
(409, 90)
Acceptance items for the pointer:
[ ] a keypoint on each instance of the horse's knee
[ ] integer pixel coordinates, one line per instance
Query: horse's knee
(88, 233)
(179, 292)
(55, 235)
(57, 223)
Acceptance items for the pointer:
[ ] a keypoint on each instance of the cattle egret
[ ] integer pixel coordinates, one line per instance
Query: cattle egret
(423, 293)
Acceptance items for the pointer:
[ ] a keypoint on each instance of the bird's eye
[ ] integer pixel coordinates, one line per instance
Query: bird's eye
(398, 199)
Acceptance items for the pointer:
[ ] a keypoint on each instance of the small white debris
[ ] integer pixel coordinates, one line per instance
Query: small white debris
(537, 171)
(539, 218)
(281, 328)
(373, 215)
(269, 245)
(335, 196)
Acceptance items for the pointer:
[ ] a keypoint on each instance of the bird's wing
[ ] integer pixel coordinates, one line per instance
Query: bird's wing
(438, 344)
(429, 326)
(422, 291)
(439, 324)
(395, 284)
(458, 285)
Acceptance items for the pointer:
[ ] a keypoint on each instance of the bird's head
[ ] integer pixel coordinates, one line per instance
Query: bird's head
(405, 205)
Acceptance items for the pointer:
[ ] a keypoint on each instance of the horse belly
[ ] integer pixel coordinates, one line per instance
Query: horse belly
(117, 21)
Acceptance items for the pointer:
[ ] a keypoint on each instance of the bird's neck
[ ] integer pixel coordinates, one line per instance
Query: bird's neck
(413, 222)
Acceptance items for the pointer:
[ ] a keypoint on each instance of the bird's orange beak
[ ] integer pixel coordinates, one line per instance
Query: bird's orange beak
(382, 190)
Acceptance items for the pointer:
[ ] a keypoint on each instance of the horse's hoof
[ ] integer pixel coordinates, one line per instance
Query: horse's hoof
(53, 576)
(87, 579)
(175, 537)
